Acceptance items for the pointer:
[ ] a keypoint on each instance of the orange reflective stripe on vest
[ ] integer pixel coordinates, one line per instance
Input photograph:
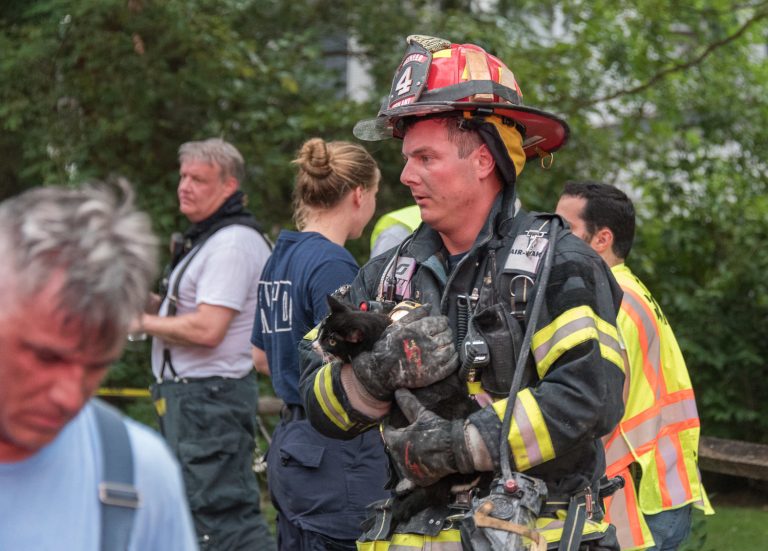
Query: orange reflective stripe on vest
(622, 510)
(640, 433)
(648, 331)
(660, 427)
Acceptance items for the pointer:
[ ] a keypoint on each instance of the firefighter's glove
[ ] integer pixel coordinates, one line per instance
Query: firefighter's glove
(430, 447)
(413, 352)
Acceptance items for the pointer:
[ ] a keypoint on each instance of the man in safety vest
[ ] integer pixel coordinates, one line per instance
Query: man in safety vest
(476, 265)
(393, 227)
(657, 440)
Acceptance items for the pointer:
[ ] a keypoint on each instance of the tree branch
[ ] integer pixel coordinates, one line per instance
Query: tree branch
(679, 66)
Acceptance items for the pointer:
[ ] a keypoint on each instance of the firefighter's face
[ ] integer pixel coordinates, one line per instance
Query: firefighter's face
(443, 185)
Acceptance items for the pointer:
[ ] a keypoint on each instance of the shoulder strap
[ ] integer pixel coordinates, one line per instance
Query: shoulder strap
(117, 494)
(246, 220)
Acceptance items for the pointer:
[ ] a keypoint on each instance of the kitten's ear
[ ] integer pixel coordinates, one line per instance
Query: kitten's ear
(336, 305)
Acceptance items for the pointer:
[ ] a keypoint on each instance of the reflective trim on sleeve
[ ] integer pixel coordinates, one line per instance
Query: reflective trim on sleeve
(568, 330)
(447, 540)
(552, 528)
(312, 335)
(328, 401)
(528, 435)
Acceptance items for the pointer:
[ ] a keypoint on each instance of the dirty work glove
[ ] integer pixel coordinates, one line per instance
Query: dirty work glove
(413, 352)
(430, 447)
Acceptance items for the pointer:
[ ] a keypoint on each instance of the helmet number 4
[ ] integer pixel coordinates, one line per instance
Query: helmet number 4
(405, 82)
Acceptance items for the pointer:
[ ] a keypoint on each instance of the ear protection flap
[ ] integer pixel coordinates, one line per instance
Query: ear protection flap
(504, 137)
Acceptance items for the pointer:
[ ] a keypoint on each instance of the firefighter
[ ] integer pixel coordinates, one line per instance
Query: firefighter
(657, 440)
(476, 265)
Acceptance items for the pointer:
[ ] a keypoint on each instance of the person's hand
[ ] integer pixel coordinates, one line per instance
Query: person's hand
(136, 326)
(413, 352)
(153, 303)
(430, 447)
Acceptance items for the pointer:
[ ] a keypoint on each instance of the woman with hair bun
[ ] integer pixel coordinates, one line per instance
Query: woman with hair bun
(319, 485)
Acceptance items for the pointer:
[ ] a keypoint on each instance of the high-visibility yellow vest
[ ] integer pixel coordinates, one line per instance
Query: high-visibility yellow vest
(660, 427)
(410, 217)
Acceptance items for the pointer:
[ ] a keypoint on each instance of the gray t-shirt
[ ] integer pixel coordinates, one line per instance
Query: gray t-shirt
(225, 272)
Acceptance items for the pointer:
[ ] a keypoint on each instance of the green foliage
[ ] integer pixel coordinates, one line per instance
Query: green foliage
(664, 98)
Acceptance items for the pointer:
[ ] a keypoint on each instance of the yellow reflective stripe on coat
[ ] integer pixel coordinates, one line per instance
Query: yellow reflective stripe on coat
(570, 329)
(446, 540)
(528, 436)
(552, 528)
(328, 401)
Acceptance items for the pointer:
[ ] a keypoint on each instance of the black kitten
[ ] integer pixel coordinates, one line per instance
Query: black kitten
(347, 332)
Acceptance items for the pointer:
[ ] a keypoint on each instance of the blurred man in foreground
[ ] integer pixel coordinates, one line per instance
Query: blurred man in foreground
(77, 264)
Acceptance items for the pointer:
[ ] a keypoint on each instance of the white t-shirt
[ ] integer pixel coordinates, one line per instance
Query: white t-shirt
(225, 272)
(49, 502)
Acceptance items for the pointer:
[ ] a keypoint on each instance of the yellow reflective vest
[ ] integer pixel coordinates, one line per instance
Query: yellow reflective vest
(660, 426)
(410, 217)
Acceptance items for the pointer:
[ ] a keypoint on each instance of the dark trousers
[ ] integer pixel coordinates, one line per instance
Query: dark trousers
(210, 425)
(320, 486)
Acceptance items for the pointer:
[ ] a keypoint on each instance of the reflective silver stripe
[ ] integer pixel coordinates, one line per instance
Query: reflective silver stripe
(430, 546)
(645, 432)
(618, 514)
(328, 402)
(609, 341)
(532, 449)
(675, 486)
(562, 332)
(651, 350)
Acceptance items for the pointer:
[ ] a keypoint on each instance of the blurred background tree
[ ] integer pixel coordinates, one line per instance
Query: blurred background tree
(665, 99)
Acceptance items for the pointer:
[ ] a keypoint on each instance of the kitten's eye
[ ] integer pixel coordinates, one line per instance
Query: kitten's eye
(332, 341)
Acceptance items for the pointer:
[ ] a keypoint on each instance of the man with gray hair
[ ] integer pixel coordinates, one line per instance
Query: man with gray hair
(76, 269)
(206, 392)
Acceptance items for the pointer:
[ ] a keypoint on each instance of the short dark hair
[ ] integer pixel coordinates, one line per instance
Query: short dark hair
(465, 139)
(606, 207)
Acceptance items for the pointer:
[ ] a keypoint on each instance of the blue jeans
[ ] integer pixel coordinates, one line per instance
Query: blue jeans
(669, 528)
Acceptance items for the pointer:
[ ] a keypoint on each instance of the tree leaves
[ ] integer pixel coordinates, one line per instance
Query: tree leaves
(664, 99)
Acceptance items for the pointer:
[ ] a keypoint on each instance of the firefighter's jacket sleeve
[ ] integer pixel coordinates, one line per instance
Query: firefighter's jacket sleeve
(328, 408)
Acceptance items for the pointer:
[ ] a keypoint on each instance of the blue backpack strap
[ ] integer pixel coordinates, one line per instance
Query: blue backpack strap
(117, 494)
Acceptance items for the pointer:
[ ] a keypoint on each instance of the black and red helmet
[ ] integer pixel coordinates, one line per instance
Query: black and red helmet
(436, 76)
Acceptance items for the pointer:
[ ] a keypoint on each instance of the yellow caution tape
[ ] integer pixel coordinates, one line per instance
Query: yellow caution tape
(126, 392)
